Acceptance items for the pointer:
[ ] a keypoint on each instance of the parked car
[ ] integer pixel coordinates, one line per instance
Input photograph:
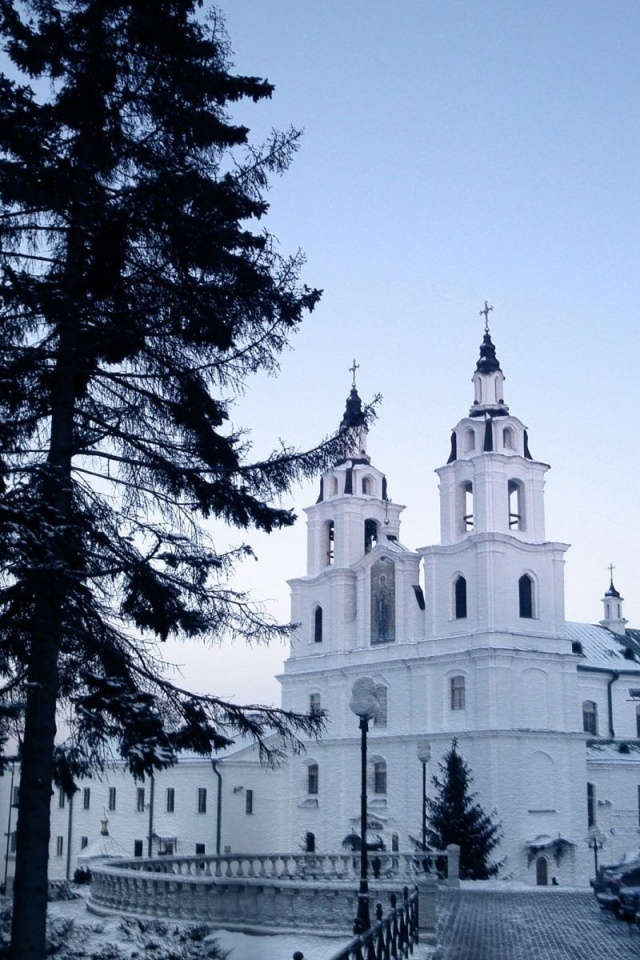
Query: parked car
(610, 879)
(629, 902)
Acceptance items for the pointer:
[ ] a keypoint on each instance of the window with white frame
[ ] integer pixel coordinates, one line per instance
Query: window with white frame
(380, 719)
(457, 685)
(590, 717)
(380, 776)
(313, 779)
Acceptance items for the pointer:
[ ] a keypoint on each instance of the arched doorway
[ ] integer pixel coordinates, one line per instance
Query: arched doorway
(542, 872)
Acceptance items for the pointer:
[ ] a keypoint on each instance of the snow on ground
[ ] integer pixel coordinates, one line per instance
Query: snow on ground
(100, 931)
(97, 932)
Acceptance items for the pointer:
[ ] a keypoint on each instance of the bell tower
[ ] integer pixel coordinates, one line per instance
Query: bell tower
(358, 578)
(494, 569)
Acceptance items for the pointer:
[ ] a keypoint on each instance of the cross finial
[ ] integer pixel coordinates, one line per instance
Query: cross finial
(485, 313)
(352, 371)
(611, 569)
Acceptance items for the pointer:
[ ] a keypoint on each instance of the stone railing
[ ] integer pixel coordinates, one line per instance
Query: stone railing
(252, 892)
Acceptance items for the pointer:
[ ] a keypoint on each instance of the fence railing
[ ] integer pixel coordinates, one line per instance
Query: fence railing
(393, 935)
(254, 892)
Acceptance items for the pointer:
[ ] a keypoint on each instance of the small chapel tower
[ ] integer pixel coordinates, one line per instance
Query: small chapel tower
(612, 601)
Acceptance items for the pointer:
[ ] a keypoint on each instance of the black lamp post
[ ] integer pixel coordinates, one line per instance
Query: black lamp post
(595, 839)
(424, 755)
(365, 705)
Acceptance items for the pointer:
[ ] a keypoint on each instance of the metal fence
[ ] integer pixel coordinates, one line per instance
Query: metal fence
(390, 938)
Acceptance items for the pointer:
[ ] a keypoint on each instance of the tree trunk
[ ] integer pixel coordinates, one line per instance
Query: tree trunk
(50, 585)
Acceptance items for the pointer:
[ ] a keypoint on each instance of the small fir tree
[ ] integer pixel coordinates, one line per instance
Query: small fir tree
(455, 817)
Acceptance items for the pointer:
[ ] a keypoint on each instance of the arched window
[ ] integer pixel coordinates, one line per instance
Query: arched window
(469, 440)
(467, 506)
(395, 842)
(525, 595)
(457, 693)
(367, 486)
(370, 535)
(317, 625)
(460, 598)
(516, 505)
(315, 703)
(542, 872)
(310, 842)
(590, 717)
(333, 486)
(312, 778)
(330, 533)
(380, 719)
(380, 776)
(508, 439)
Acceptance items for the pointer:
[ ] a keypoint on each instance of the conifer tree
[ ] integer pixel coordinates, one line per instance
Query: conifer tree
(138, 292)
(455, 817)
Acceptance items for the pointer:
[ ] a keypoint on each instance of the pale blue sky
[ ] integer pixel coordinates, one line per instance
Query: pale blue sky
(457, 151)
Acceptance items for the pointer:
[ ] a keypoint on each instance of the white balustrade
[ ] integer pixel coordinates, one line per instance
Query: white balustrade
(276, 891)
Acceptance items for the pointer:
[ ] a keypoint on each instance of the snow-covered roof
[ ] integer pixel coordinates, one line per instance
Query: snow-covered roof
(102, 848)
(604, 649)
(608, 750)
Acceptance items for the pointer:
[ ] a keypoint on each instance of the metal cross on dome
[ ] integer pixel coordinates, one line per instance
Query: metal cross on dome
(485, 313)
(611, 569)
(352, 371)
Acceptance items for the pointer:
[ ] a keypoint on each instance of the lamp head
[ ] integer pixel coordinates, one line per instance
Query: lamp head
(364, 702)
(424, 751)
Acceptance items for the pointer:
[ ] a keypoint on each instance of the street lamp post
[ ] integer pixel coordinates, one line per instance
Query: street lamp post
(364, 703)
(595, 839)
(424, 755)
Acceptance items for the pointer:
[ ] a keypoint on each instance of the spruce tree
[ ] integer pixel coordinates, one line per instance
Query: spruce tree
(455, 817)
(138, 292)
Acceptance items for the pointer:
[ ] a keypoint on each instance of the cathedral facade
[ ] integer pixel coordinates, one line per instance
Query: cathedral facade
(465, 639)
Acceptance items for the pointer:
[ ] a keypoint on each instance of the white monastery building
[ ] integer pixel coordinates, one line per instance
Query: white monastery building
(464, 639)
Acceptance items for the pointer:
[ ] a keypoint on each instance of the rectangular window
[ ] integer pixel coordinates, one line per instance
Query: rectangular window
(591, 805)
(15, 797)
(457, 693)
(314, 704)
(202, 800)
(200, 849)
(248, 802)
(86, 798)
(84, 842)
(13, 842)
(171, 799)
(137, 848)
(380, 719)
(638, 806)
(313, 778)
(165, 848)
(380, 777)
(59, 846)
(61, 799)
(112, 798)
(140, 800)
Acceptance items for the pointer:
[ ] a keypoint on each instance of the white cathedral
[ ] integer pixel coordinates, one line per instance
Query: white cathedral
(465, 639)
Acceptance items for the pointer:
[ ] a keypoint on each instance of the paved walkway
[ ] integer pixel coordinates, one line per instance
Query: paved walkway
(549, 924)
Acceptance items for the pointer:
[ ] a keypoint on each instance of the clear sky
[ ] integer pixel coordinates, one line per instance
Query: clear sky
(455, 151)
